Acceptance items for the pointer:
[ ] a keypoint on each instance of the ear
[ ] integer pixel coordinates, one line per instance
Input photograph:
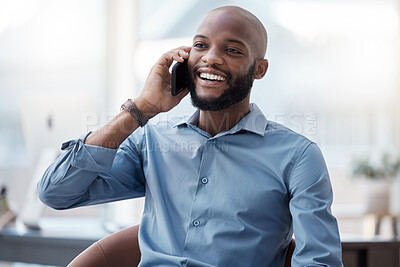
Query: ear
(261, 69)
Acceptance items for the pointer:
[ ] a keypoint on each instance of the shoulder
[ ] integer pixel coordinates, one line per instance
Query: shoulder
(286, 138)
(306, 164)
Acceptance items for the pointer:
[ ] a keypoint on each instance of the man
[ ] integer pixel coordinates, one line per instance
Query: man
(224, 188)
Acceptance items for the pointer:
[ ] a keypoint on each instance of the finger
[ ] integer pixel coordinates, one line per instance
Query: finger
(177, 54)
(186, 48)
(178, 57)
(183, 52)
(169, 57)
(166, 59)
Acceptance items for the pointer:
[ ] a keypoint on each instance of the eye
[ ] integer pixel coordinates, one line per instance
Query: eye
(199, 45)
(233, 50)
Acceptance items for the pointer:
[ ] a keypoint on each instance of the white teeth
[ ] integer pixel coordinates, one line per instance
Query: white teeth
(211, 77)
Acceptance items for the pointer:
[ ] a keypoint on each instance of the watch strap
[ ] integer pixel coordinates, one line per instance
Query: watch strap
(136, 113)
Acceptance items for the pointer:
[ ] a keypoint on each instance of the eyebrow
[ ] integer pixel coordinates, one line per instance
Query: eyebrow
(235, 41)
(227, 40)
(200, 36)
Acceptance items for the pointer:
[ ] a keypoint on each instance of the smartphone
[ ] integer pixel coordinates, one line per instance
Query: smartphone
(179, 77)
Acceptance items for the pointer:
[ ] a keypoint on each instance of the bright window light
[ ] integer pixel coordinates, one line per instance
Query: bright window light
(311, 19)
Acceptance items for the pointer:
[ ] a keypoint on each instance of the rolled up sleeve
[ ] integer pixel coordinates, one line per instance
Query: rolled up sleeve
(87, 175)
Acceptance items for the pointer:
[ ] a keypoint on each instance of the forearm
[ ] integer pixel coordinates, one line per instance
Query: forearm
(113, 133)
(155, 98)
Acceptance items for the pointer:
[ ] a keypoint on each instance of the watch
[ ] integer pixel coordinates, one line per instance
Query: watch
(136, 113)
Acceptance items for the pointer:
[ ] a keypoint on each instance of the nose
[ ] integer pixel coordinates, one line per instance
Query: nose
(212, 56)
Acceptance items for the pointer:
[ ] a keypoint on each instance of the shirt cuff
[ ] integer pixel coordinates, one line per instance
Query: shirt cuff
(89, 157)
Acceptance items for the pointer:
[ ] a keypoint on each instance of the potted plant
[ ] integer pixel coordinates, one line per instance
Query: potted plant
(379, 177)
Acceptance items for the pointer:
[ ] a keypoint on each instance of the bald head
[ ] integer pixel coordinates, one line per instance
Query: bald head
(258, 34)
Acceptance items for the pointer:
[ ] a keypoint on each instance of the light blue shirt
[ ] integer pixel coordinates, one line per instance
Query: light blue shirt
(234, 199)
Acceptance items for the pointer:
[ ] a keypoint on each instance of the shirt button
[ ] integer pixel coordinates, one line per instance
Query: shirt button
(196, 223)
(204, 180)
(212, 141)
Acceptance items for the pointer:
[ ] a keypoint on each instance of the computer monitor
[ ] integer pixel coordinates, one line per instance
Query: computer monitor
(48, 120)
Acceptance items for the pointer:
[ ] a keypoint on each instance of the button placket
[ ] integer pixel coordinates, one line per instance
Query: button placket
(197, 218)
(196, 223)
(204, 180)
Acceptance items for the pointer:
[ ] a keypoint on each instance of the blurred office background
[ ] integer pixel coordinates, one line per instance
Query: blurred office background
(66, 67)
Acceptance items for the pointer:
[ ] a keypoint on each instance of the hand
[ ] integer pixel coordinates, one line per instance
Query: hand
(156, 95)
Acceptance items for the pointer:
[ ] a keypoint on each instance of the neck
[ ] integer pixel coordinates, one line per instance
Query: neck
(214, 122)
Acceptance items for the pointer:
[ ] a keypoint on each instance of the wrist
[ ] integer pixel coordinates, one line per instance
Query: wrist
(145, 107)
(135, 112)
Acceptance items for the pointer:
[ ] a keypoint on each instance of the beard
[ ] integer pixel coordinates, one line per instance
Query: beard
(236, 91)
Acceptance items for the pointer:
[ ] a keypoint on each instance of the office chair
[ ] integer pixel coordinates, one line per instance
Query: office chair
(121, 249)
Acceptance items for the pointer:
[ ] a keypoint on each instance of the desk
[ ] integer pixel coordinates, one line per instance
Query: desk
(57, 244)
(373, 252)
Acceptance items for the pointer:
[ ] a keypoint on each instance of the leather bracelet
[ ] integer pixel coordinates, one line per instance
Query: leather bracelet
(136, 113)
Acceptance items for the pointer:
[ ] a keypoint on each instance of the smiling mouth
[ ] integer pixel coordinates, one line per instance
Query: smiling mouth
(211, 77)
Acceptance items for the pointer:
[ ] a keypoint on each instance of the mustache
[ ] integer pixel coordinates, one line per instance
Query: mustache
(213, 66)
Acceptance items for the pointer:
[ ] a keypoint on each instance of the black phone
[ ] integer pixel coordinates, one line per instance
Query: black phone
(179, 77)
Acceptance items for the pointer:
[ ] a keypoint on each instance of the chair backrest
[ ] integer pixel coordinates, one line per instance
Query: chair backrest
(122, 249)
(289, 253)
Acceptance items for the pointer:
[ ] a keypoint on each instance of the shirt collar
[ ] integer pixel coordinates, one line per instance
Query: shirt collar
(254, 122)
